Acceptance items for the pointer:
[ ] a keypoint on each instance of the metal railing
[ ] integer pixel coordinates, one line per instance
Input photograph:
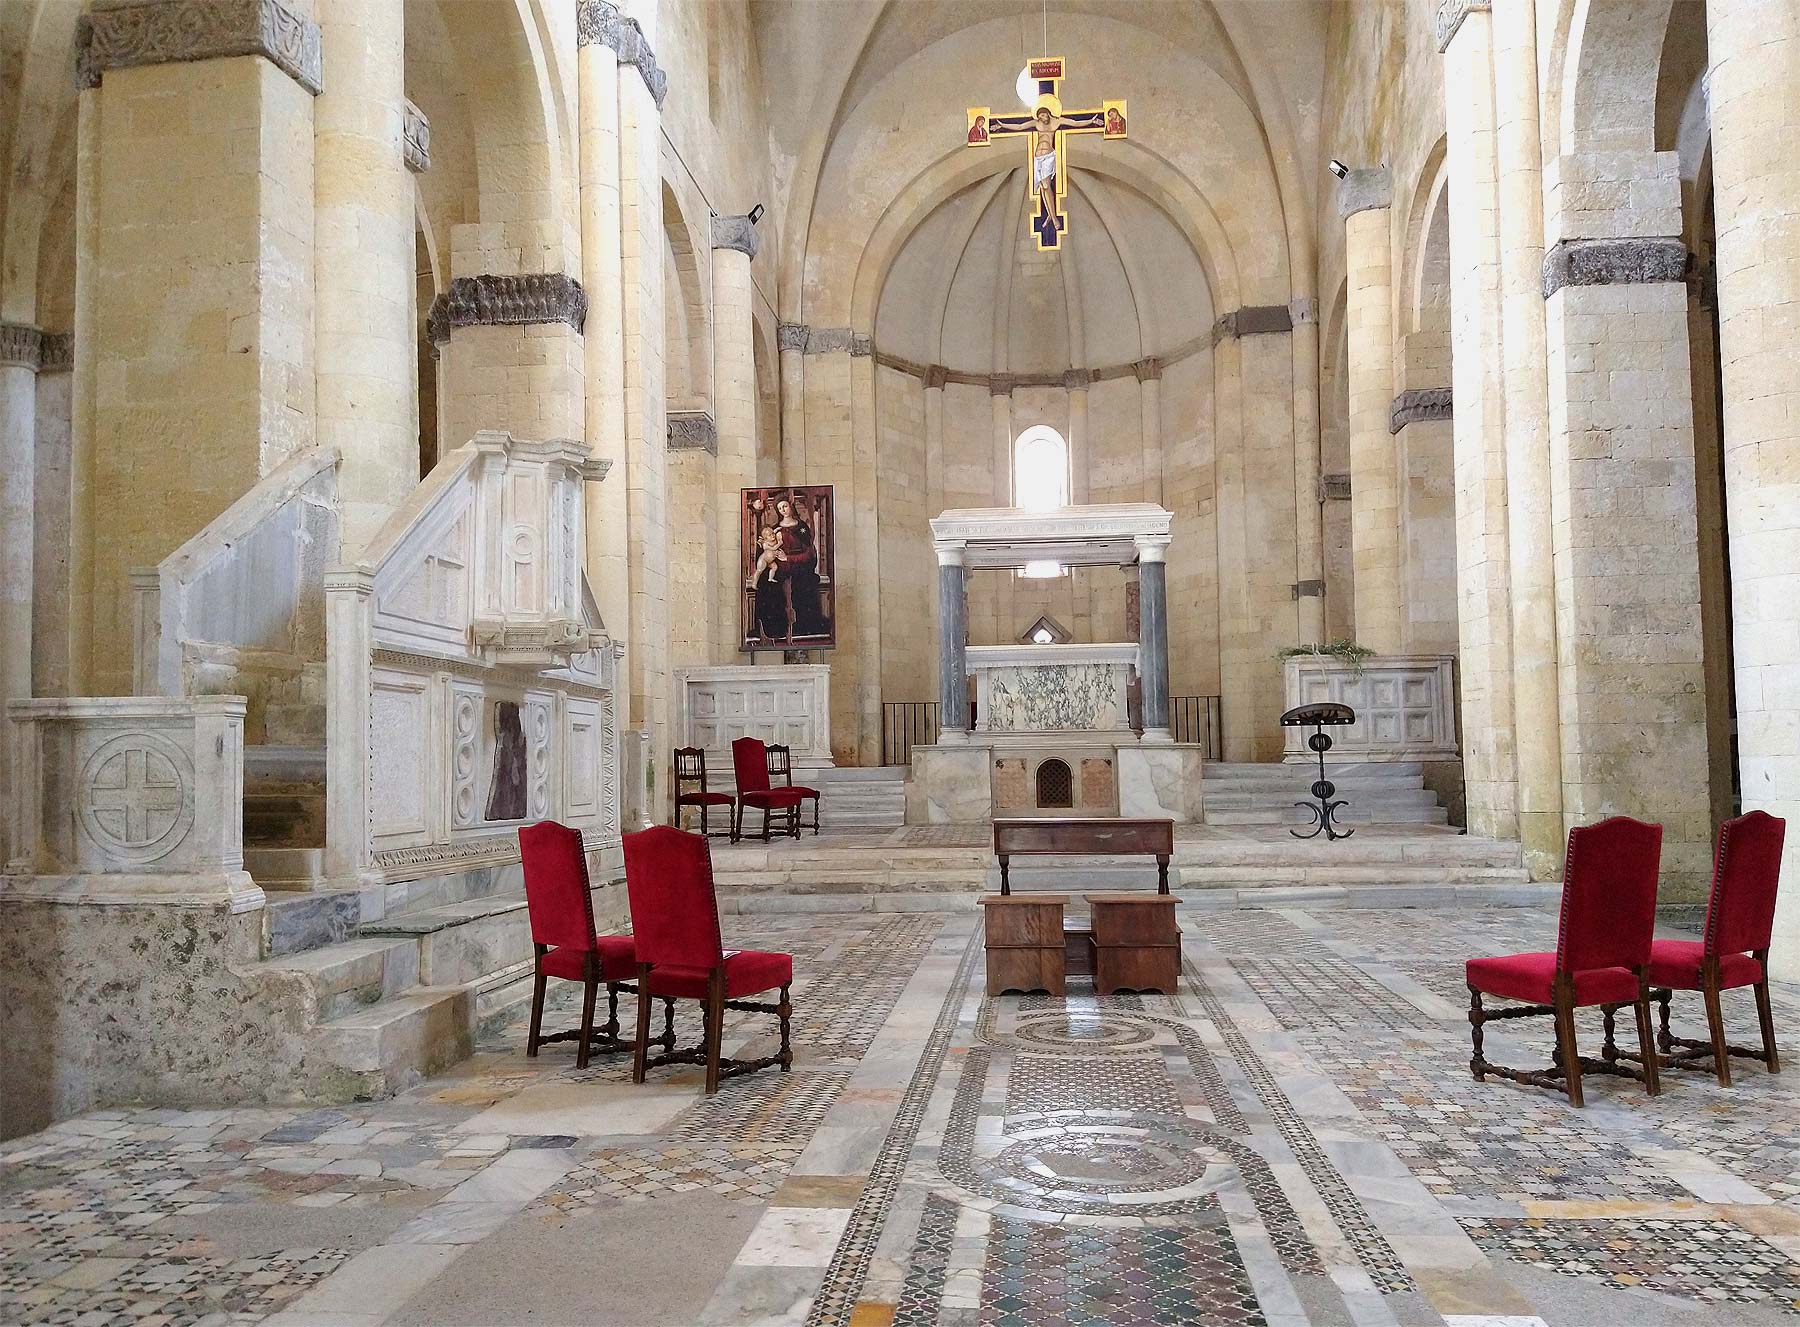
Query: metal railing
(904, 725)
(1197, 719)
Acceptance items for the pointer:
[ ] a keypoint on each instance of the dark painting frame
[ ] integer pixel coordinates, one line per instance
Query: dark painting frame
(787, 567)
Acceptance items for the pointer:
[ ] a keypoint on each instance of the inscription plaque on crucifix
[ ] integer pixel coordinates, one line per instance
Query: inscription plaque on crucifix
(1044, 130)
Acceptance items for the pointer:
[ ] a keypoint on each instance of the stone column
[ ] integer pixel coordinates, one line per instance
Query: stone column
(734, 413)
(1000, 400)
(953, 643)
(196, 195)
(1755, 53)
(1364, 197)
(1484, 617)
(366, 342)
(510, 347)
(1309, 524)
(1077, 382)
(20, 350)
(1153, 636)
(603, 346)
(52, 505)
(790, 341)
(1149, 376)
(1530, 555)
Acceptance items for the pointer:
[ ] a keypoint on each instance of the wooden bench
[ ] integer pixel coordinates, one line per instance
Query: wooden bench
(1111, 836)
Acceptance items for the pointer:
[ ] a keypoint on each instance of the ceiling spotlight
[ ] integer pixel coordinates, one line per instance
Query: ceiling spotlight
(756, 214)
(1338, 168)
(1027, 87)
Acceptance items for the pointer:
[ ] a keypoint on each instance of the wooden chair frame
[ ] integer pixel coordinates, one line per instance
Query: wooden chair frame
(695, 759)
(1567, 1062)
(1715, 1052)
(780, 759)
(713, 1007)
(587, 1038)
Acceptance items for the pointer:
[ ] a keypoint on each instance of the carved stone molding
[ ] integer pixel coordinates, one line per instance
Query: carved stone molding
(1334, 488)
(1077, 380)
(791, 336)
(1303, 311)
(1449, 18)
(598, 23)
(1001, 384)
(693, 430)
(828, 340)
(1147, 369)
(737, 233)
(1364, 191)
(1616, 262)
(173, 31)
(506, 301)
(21, 345)
(936, 375)
(861, 347)
(415, 138)
(1418, 405)
(58, 353)
(1253, 320)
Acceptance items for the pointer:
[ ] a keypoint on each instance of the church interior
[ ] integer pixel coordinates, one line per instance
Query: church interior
(899, 663)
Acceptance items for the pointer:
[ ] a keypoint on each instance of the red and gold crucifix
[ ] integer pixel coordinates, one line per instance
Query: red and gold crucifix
(1043, 130)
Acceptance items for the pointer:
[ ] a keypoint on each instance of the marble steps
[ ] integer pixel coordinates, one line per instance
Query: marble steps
(342, 978)
(388, 1046)
(1385, 813)
(465, 941)
(1378, 792)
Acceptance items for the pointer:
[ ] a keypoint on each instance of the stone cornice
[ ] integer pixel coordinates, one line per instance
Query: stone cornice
(693, 431)
(598, 23)
(506, 301)
(737, 233)
(173, 31)
(828, 340)
(21, 346)
(1614, 262)
(415, 138)
(1450, 16)
(1418, 405)
(1364, 191)
(1253, 320)
(791, 336)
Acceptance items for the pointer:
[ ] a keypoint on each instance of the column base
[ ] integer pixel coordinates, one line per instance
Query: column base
(953, 736)
(1157, 737)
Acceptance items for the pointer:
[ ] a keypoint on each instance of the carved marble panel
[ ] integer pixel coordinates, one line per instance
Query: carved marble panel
(1405, 705)
(399, 732)
(785, 703)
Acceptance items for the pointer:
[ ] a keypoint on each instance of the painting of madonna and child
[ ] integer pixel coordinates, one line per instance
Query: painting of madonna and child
(788, 563)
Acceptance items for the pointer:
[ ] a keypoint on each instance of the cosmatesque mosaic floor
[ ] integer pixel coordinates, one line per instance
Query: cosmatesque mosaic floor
(1292, 1138)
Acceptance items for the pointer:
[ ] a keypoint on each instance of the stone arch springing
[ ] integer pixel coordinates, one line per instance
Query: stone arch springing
(687, 326)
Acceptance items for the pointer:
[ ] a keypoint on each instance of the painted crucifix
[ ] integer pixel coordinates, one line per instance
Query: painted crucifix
(1043, 130)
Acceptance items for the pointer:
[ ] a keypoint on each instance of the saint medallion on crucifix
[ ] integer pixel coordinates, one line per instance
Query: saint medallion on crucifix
(1043, 130)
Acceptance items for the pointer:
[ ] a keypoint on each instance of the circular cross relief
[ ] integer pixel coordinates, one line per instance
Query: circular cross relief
(134, 798)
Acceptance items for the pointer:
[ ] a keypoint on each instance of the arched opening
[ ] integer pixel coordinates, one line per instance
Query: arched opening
(1040, 469)
(1055, 785)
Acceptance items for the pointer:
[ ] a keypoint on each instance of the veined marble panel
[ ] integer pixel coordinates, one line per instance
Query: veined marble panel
(1053, 698)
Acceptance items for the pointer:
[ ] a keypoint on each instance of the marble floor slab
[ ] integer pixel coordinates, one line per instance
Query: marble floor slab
(1292, 1139)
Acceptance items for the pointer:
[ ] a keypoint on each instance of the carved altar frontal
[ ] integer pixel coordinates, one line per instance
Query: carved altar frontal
(1052, 688)
(789, 704)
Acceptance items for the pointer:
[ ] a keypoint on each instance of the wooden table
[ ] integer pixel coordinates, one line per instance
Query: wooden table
(1024, 937)
(1137, 944)
(1109, 835)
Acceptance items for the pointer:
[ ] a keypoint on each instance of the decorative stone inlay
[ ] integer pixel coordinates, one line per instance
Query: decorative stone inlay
(1334, 488)
(58, 353)
(1363, 191)
(791, 336)
(1253, 320)
(693, 430)
(21, 345)
(503, 301)
(1450, 14)
(1417, 405)
(861, 347)
(737, 233)
(1633, 261)
(598, 23)
(172, 31)
(415, 138)
(134, 797)
(1147, 369)
(828, 340)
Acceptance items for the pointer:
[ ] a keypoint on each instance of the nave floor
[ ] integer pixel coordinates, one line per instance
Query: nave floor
(1293, 1139)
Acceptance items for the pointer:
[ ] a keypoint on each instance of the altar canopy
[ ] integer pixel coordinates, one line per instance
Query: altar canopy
(1110, 534)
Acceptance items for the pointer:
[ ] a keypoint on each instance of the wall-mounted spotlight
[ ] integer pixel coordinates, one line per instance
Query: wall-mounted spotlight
(756, 214)
(1338, 168)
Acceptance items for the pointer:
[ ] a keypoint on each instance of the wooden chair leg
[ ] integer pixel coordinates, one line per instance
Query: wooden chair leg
(1647, 1044)
(1665, 1039)
(668, 1036)
(715, 1028)
(537, 1014)
(785, 1012)
(590, 990)
(1766, 1016)
(703, 810)
(612, 1011)
(766, 830)
(641, 1051)
(1715, 1027)
(1477, 1016)
(737, 823)
(1567, 1052)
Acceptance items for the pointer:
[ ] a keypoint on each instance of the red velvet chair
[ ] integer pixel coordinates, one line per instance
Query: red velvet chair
(1740, 917)
(561, 909)
(781, 766)
(681, 956)
(750, 762)
(1602, 956)
(690, 767)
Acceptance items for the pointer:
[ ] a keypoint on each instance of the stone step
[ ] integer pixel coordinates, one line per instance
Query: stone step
(340, 978)
(1237, 800)
(295, 923)
(463, 942)
(1221, 769)
(285, 869)
(384, 1048)
(1383, 814)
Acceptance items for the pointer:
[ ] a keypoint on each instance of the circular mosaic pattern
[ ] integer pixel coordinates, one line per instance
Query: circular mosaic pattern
(1138, 1169)
(1084, 1031)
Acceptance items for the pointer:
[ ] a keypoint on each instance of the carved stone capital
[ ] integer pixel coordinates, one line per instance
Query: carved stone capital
(737, 233)
(936, 375)
(1363, 191)
(1303, 311)
(506, 301)
(1309, 589)
(21, 346)
(1418, 405)
(58, 353)
(1450, 16)
(1001, 384)
(1077, 380)
(861, 347)
(693, 431)
(1334, 488)
(791, 336)
(827, 340)
(1147, 369)
(1615, 262)
(173, 31)
(1253, 320)
(415, 138)
(598, 23)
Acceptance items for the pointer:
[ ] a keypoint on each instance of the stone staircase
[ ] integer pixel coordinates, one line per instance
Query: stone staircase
(284, 817)
(861, 801)
(1378, 792)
